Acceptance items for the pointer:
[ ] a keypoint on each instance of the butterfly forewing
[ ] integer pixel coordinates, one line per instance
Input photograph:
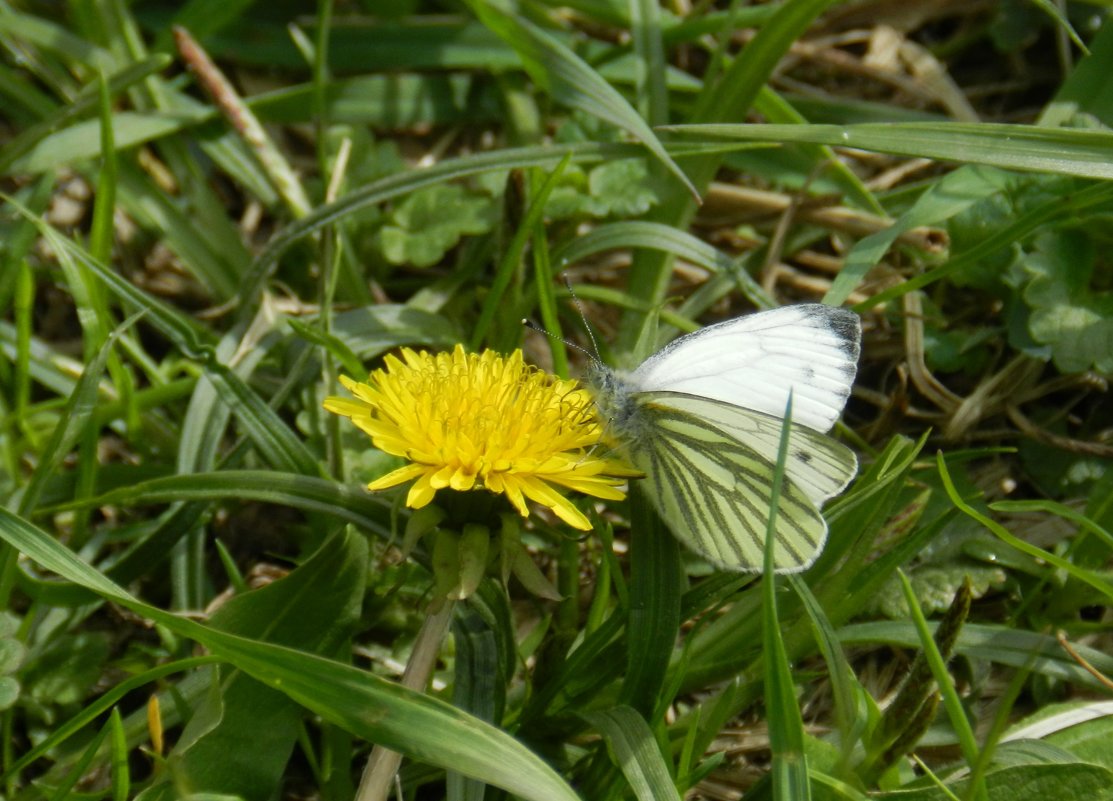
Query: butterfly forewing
(754, 361)
(715, 491)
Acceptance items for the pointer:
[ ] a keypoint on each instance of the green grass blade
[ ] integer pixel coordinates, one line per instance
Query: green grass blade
(207, 17)
(54, 38)
(1059, 17)
(653, 620)
(309, 493)
(945, 199)
(84, 104)
(1000, 644)
(334, 345)
(154, 548)
(786, 726)
(951, 702)
(101, 231)
(852, 702)
(664, 238)
(121, 772)
(650, 65)
(1087, 89)
(512, 258)
(278, 444)
(1061, 510)
(76, 416)
(481, 672)
(1089, 577)
(776, 110)
(636, 752)
(1061, 151)
(564, 75)
(546, 292)
(80, 142)
(417, 725)
(834, 789)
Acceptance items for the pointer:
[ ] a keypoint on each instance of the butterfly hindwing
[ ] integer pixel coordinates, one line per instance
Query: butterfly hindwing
(714, 490)
(817, 464)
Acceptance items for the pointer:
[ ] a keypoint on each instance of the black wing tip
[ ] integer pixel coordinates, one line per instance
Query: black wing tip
(838, 318)
(844, 323)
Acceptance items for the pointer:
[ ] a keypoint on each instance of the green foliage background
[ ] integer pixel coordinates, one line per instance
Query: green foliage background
(200, 600)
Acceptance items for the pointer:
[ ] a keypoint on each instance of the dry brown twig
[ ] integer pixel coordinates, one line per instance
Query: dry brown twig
(1081, 660)
(922, 378)
(738, 203)
(1002, 391)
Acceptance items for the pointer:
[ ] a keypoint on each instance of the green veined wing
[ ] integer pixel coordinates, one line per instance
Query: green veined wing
(702, 418)
(817, 464)
(713, 487)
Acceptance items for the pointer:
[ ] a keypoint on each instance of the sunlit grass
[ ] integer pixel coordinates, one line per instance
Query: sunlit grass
(194, 247)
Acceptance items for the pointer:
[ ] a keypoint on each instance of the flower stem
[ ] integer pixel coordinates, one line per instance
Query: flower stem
(382, 765)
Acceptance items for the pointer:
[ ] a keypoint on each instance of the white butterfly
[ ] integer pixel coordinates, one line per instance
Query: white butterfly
(702, 418)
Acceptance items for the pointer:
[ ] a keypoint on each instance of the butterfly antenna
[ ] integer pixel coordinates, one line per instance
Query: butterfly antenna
(587, 327)
(532, 326)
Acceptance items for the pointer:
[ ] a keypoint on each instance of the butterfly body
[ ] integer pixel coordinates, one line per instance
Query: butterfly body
(702, 419)
(614, 395)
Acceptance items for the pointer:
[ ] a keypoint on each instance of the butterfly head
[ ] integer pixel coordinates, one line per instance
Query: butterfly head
(614, 398)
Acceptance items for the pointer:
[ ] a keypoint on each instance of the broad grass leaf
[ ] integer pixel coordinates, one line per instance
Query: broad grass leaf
(653, 621)
(239, 740)
(414, 724)
(1088, 88)
(348, 503)
(1047, 782)
(79, 142)
(992, 643)
(1089, 740)
(636, 752)
(1063, 151)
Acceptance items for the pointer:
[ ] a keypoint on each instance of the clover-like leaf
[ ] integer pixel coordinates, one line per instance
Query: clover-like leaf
(621, 188)
(9, 692)
(935, 586)
(429, 223)
(1068, 313)
(64, 672)
(12, 654)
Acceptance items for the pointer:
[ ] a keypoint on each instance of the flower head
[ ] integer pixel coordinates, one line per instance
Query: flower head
(466, 421)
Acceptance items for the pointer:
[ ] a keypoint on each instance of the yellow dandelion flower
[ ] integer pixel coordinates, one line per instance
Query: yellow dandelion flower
(467, 421)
